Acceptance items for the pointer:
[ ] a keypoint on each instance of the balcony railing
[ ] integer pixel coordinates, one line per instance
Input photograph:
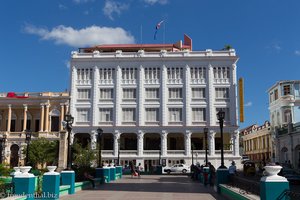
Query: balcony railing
(198, 81)
(128, 81)
(151, 81)
(174, 81)
(84, 82)
(106, 82)
(221, 80)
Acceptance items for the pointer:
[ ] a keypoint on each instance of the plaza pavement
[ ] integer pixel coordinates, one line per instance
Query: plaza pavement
(149, 187)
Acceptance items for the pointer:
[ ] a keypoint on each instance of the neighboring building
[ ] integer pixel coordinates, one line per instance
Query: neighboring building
(284, 106)
(41, 113)
(155, 98)
(258, 142)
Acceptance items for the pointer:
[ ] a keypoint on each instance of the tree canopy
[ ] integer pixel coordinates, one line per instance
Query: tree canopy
(42, 151)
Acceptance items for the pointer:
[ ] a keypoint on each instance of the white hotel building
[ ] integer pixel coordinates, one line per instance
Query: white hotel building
(154, 100)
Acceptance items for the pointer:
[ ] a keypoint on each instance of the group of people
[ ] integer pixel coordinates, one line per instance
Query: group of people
(198, 169)
(135, 170)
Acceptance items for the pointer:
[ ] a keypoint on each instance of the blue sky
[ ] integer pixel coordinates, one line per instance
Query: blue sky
(37, 37)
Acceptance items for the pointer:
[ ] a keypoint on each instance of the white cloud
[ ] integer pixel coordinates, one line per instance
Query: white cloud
(82, 1)
(89, 36)
(248, 104)
(112, 7)
(277, 47)
(62, 7)
(152, 2)
(297, 52)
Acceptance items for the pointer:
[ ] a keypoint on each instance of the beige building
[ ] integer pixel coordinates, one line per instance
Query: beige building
(41, 113)
(257, 142)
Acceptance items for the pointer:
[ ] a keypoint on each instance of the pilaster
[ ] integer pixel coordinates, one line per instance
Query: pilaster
(93, 137)
(164, 96)
(235, 140)
(210, 96)
(118, 97)
(94, 97)
(140, 94)
(187, 97)
(187, 137)
(164, 143)
(117, 135)
(211, 144)
(233, 96)
(140, 142)
(72, 109)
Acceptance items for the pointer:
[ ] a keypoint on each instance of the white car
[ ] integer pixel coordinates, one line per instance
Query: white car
(177, 168)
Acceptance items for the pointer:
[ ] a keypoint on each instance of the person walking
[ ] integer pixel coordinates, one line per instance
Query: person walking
(212, 171)
(139, 169)
(232, 171)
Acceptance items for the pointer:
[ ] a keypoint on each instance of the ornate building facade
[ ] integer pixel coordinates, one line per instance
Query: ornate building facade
(153, 102)
(258, 142)
(284, 107)
(40, 113)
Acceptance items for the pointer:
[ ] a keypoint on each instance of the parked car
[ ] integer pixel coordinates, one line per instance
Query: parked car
(244, 159)
(291, 175)
(177, 168)
(249, 168)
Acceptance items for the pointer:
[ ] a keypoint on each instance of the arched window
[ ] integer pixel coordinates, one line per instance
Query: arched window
(287, 116)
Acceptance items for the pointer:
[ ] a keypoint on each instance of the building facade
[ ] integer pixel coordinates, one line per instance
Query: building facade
(153, 102)
(284, 107)
(40, 113)
(258, 142)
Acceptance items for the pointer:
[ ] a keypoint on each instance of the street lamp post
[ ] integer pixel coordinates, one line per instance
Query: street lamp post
(2, 141)
(221, 116)
(205, 137)
(119, 142)
(69, 119)
(99, 131)
(27, 140)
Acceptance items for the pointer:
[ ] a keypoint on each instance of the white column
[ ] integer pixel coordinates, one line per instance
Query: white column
(116, 144)
(140, 137)
(235, 140)
(211, 144)
(47, 117)
(42, 115)
(164, 143)
(164, 96)
(95, 98)
(9, 118)
(118, 97)
(93, 136)
(25, 117)
(140, 96)
(233, 97)
(62, 114)
(67, 107)
(188, 148)
(210, 96)
(187, 96)
(74, 78)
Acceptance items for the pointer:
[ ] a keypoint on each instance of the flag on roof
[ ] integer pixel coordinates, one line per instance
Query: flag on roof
(157, 27)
